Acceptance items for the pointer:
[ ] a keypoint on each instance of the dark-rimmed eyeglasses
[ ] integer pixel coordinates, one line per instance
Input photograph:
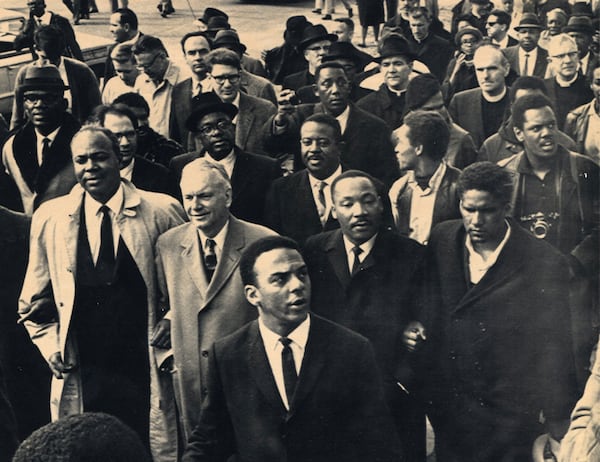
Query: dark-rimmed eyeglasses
(220, 126)
(232, 78)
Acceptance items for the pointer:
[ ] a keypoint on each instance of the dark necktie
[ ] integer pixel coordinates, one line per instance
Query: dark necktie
(210, 258)
(106, 255)
(45, 149)
(526, 65)
(322, 203)
(356, 264)
(290, 377)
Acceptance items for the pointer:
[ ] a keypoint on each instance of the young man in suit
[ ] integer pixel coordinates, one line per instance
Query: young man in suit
(124, 29)
(251, 174)
(366, 278)
(497, 27)
(291, 385)
(201, 290)
(527, 58)
(495, 310)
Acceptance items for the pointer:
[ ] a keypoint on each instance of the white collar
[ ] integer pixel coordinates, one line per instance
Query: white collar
(50, 136)
(476, 259)
(298, 336)
(566, 83)
(219, 238)
(366, 246)
(115, 203)
(494, 99)
(127, 171)
(343, 118)
(434, 182)
(315, 182)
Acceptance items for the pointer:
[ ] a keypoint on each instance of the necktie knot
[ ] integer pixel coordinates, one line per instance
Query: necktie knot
(210, 257)
(285, 341)
(356, 264)
(357, 250)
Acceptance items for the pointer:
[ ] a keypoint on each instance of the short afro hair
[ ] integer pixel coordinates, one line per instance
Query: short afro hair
(487, 177)
(256, 249)
(429, 129)
(527, 102)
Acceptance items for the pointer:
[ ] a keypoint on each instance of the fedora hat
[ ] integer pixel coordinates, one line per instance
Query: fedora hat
(212, 13)
(228, 38)
(43, 78)
(312, 34)
(217, 23)
(395, 45)
(345, 50)
(529, 21)
(582, 9)
(579, 24)
(208, 103)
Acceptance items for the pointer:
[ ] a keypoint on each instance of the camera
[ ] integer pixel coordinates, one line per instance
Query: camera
(540, 223)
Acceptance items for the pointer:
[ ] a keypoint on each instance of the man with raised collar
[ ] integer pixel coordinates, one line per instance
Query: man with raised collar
(251, 174)
(201, 289)
(527, 58)
(37, 156)
(309, 388)
(497, 26)
(481, 110)
(366, 278)
(88, 300)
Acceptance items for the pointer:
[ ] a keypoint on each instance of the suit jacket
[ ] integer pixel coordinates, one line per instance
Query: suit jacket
(337, 412)
(251, 178)
(434, 52)
(541, 62)
(380, 104)
(298, 80)
(377, 302)
(258, 86)
(149, 176)
(181, 108)
(253, 65)
(201, 311)
(499, 349)
(85, 92)
(445, 206)
(252, 115)
(48, 293)
(368, 145)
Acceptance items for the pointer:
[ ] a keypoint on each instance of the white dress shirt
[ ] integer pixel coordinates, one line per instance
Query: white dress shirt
(127, 171)
(227, 162)
(366, 248)
(478, 265)
(40, 142)
(343, 118)
(273, 348)
(530, 61)
(315, 184)
(219, 241)
(93, 220)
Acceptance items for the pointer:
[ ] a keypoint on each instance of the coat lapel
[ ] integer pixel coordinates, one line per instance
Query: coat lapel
(336, 254)
(192, 256)
(244, 122)
(239, 175)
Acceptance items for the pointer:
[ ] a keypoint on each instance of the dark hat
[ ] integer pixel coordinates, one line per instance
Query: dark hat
(419, 90)
(217, 23)
(312, 34)
(208, 103)
(395, 45)
(468, 30)
(529, 21)
(228, 39)
(296, 23)
(579, 24)
(43, 78)
(480, 2)
(212, 13)
(345, 50)
(582, 9)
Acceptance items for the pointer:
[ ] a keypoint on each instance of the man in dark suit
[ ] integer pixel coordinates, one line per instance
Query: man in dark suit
(37, 156)
(141, 172)
(527, 58)
(251, 174)
(481, 110)
(366, 278)
(38, 16)
(84, 92)
(497, 27)
(291, 385)
(367, 138)
(498, 329)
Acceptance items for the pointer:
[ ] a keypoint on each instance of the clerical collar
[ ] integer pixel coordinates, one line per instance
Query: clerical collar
(494, 99)
(565, 83)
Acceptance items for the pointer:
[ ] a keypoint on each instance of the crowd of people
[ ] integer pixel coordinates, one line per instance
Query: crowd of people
(306, 256)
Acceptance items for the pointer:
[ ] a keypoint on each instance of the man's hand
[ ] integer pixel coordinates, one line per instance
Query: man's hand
(285, 107)
(413, 336)
(161, 337)
(57, 366)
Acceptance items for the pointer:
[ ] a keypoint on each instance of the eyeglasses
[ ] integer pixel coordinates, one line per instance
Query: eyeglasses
(321, 142)
(220, 126)
(324, 48)
(232, 78)
(562, 56)
(43, 98)
(143, 67)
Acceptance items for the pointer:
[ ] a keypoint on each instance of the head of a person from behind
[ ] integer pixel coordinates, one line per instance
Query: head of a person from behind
(556, 19)
(276, 282)
(526, 85)
(206, 192)
(419, 20)
(123, 25)
(195, 47)
(534, 125)
(225, 68)
(151, 57)
(332, 87)
(123, 125)
(491, 70)
(421, 141)
(97, 161)
(43, 98)
(344, 29)
(357, 205)
(136, 104)
(497, 24)
(563, 57)
(91, 436)
(321, 145)
(485, 191)
(124, 63)
(36, 7)
(49, 43)
(424, 92)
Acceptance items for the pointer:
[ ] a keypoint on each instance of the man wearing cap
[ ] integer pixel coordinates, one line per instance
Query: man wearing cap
(209, 12)
(126, 70)
(528, 58)
(225, 71)
(314, 44)
(215, 24)
(157, 80)
(581, 30)
(497, 26)
(37, 155)
(251, 174)
(202, 294)
(124, 29)
(395, 63)
(287, 58)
